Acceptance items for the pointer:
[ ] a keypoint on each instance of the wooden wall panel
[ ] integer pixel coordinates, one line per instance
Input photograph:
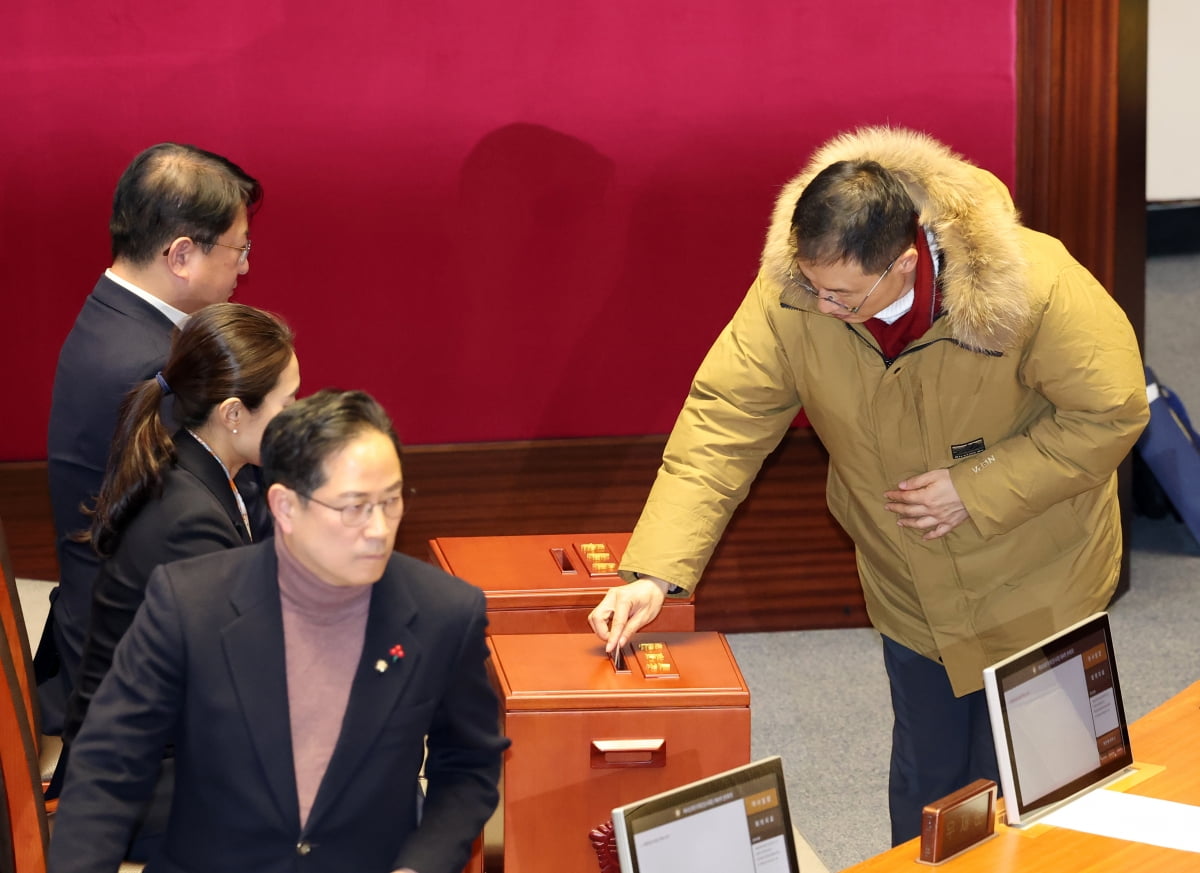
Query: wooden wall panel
(1081, 135)
(784, 563)
(1081, 146)
(28, 523)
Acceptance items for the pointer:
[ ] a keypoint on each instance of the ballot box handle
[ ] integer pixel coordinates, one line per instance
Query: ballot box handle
(629, 753)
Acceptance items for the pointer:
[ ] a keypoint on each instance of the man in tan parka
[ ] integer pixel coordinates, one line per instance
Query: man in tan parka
(975, 388)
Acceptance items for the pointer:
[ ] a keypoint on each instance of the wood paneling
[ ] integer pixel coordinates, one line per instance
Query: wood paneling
(28, 523)
(1081, 147)
(784, 562)
(1081, 135)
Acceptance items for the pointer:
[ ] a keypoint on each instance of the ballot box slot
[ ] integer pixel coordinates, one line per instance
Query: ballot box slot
(559, 555)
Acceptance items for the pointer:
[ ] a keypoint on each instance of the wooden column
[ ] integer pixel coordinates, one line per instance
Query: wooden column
(1081, 147)
(1081, 135)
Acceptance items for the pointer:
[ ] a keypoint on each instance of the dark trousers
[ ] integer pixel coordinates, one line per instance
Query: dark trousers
(940, 742)
(54, 684)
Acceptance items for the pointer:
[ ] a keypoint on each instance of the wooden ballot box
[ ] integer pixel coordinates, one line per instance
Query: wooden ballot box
(587, 738)
(546, 583)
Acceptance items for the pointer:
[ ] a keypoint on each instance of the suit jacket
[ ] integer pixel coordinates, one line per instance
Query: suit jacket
(195, 513)
(203, 665)
(118, 340)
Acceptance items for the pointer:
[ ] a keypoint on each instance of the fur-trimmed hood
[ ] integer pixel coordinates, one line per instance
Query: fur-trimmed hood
(985, 290)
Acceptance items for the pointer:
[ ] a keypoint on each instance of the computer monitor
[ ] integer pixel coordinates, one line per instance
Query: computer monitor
(1057, 719)
(734, 822)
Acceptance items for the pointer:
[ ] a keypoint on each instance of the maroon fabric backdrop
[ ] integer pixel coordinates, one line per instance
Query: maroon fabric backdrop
(511, 220)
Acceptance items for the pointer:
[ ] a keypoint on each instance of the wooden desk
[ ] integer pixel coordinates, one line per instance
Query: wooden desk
(1166, 736)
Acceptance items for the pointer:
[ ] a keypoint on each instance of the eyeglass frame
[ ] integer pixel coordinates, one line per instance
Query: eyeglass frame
(829, 298)
(242, 258)
(367, 509)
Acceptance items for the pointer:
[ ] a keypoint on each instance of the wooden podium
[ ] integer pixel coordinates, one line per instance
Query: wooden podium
(586, 738)
(546, 583)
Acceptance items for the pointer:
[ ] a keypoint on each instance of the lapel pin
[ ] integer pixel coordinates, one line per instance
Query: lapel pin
(396, 651)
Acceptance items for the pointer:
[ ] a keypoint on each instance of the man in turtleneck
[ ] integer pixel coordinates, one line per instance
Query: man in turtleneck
(300, 680)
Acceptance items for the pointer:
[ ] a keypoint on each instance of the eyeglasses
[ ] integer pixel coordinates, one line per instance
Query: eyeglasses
(242, 258)
(245, 251)
(358, 514)
(830, 298)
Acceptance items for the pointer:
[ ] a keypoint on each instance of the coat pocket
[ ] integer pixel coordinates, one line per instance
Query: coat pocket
(1032, 548)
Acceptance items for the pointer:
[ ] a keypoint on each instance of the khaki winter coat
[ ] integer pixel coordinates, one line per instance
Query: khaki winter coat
(1029, 389)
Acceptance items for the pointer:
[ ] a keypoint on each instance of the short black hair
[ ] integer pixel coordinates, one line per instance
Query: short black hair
(172, 190)
(301, 437)
(854, 212)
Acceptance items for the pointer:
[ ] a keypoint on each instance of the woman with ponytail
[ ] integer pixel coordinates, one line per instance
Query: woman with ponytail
(168, 496)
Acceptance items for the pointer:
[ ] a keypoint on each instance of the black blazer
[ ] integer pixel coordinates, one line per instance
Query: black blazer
(203, 665)
(118, 340)
(194, 514)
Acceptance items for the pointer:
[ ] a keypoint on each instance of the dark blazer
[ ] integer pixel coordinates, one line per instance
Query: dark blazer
(118, 340)
(203, 665)
(195, 513)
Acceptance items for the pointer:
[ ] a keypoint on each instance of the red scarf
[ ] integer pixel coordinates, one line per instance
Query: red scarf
(894, 338)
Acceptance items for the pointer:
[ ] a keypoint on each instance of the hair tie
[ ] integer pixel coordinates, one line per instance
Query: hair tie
(162, 383)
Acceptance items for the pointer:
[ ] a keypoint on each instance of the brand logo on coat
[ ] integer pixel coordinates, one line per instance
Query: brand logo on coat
(986, 462)
(965, 450)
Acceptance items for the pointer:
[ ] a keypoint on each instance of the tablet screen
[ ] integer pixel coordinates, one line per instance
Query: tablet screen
(1057, 718)
(735, 822)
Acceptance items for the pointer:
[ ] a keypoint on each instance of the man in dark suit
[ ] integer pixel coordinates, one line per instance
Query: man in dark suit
(180, 240)
(300, 680)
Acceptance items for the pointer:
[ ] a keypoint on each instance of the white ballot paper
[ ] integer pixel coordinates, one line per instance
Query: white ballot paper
(1131, 817)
